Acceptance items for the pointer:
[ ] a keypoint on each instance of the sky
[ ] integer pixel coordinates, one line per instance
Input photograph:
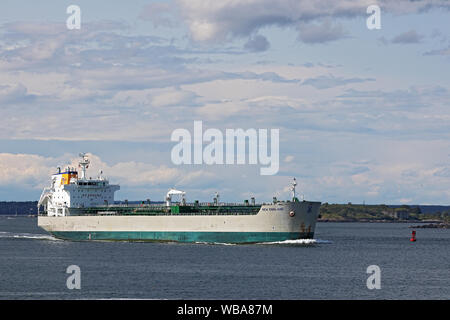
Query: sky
(363, 114)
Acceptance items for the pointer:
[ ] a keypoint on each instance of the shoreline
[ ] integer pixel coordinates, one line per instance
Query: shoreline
(426, 224)
(382, 221)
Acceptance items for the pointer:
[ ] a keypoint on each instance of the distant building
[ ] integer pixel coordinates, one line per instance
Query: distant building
(397, 213)
(401, 214)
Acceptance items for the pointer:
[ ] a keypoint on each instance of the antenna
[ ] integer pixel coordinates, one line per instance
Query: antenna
(83, 164)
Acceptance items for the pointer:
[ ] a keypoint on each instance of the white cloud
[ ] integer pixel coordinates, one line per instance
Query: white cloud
(174, 98)
(15, 94)
(34, 171)
(329, 81)
(25, 169)
(211, 20)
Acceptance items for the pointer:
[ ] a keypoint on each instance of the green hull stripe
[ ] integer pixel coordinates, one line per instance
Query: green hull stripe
(211, 237)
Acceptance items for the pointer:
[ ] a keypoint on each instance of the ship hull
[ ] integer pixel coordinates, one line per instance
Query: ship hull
(198, 237)
(274, 222)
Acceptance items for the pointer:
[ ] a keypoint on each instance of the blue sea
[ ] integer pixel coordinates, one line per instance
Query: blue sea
(33, 265)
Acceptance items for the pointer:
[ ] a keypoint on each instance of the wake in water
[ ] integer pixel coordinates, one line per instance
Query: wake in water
(302, 242)
(214, 243)
(298, 242)
(13, 235)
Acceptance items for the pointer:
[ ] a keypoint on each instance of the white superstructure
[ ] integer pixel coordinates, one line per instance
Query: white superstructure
(68, 190)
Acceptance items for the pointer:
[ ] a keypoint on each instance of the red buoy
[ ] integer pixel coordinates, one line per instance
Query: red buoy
(413, 236)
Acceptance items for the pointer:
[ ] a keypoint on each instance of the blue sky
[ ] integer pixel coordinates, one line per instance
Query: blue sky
(363, 114)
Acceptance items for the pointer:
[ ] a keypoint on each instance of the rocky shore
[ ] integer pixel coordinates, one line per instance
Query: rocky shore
(433, 226)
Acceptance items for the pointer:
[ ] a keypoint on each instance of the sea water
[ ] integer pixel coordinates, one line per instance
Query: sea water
(33, 265)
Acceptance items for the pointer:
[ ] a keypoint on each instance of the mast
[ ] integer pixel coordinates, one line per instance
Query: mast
(216, 199)
(293, 185)
(83, 164)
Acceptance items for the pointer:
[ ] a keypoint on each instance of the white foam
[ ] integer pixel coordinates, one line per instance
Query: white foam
(286, 242)
(37, 236)
(299, 242)
(221, 243)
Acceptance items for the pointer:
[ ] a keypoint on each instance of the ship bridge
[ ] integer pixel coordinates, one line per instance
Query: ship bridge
(69, 190)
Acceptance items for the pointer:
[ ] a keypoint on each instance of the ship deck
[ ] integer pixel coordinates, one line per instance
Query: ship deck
(161, 209)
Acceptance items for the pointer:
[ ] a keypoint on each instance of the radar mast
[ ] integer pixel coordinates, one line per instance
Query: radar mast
(83, 164)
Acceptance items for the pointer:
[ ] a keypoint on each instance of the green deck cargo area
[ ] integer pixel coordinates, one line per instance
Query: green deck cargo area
(146, 209)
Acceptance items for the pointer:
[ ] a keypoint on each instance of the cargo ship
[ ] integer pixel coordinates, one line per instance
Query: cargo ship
(76, 207)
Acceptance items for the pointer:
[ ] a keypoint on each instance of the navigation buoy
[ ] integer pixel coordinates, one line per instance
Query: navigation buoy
(413, 236)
